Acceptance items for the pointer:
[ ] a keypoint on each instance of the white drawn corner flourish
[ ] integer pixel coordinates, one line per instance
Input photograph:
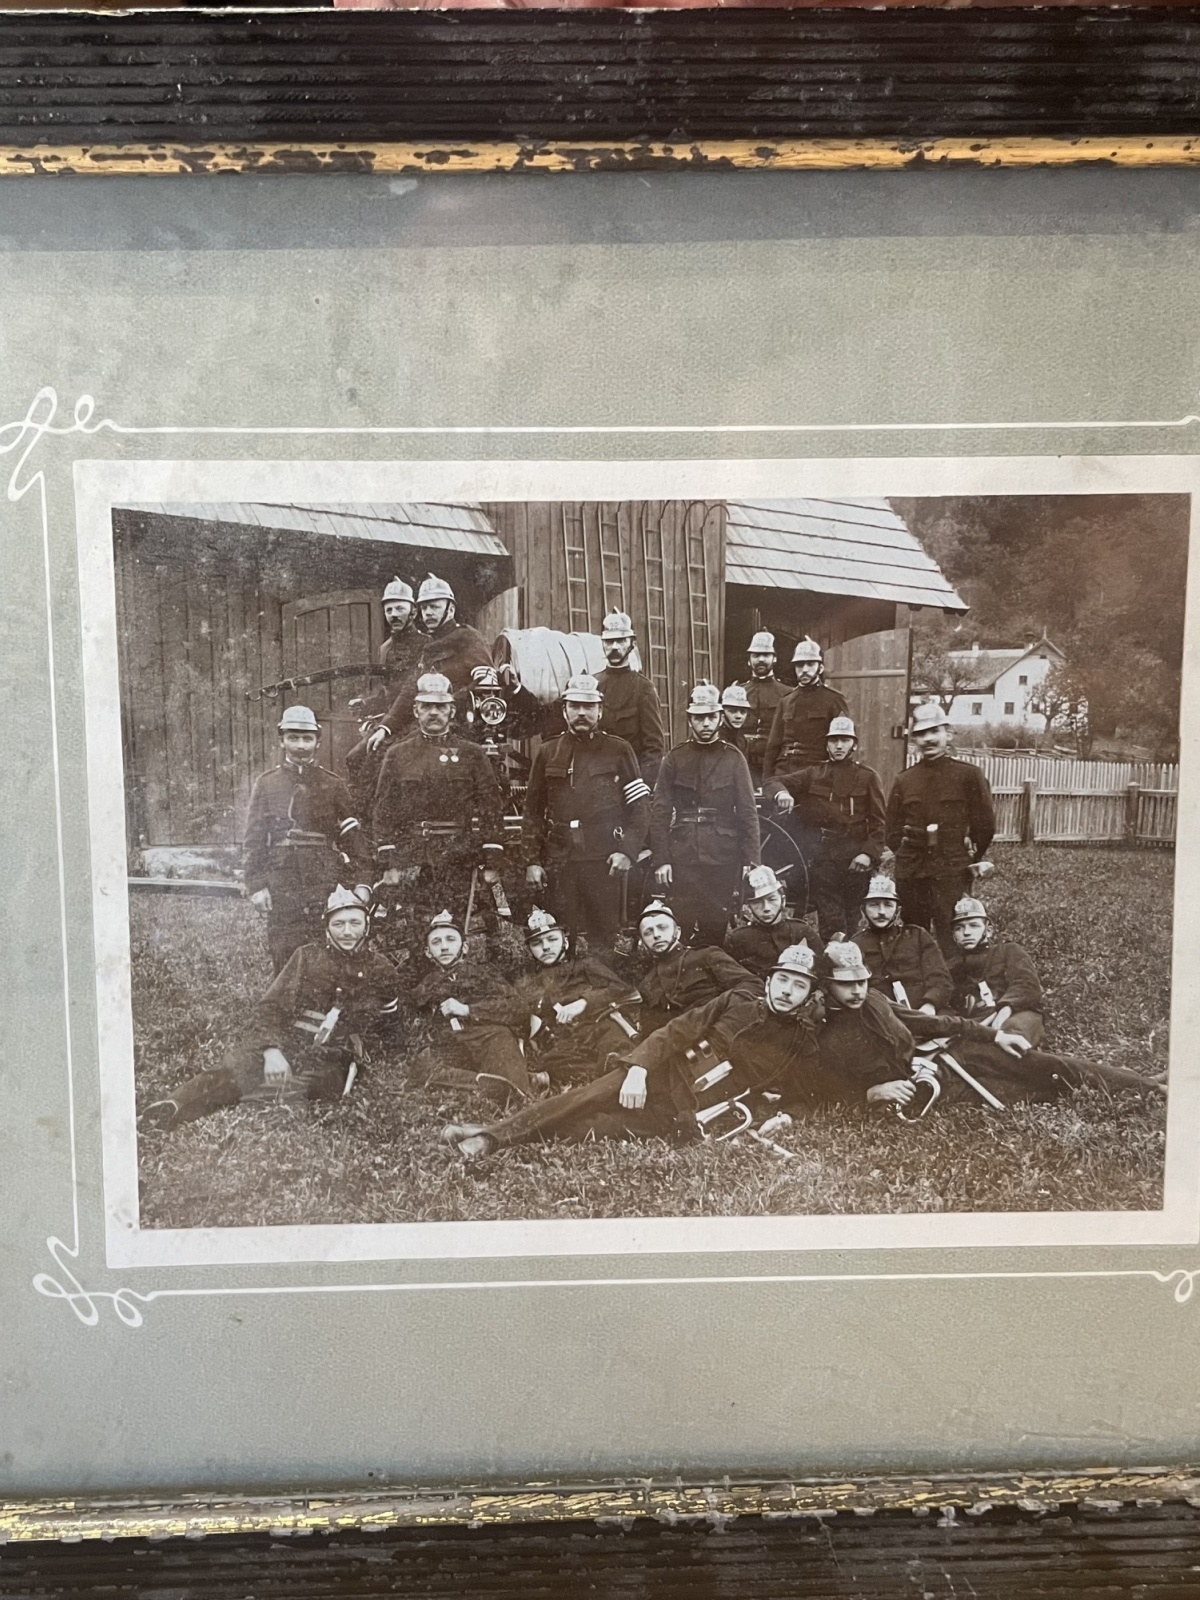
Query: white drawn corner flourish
(23, 437)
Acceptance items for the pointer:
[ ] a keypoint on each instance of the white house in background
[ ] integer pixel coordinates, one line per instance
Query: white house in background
(1001, 684)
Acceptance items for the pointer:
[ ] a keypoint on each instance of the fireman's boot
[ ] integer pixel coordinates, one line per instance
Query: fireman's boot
(198, 1097)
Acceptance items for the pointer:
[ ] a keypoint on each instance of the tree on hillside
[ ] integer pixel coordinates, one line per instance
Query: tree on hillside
(1103, 575)
(1062, 699)
(935, 672)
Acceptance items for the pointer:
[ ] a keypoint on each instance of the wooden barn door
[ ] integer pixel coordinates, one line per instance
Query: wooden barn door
(332, 630)
(872, 672)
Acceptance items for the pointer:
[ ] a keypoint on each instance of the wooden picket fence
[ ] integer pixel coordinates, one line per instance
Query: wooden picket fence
(1044, 800)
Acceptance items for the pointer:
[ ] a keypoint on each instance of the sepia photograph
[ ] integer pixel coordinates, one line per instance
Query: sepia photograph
(501, 861)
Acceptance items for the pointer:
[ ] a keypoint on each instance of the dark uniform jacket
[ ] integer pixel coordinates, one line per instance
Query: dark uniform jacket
(801, 726)
(293, 800)
(954, 794)
(441, 782)
(860, 1048)
(454, 651)
(1008, 972)
(633, 711)
(318, 977)
(840, 797)
(398, 656)
(758, 945)
(910, 956)
(574, 978)
(703, 811)
(736, 737)
(764, 695)
(875, 1045)
(477, 985)
(685, 978)
(586, 799)
(766, 1051)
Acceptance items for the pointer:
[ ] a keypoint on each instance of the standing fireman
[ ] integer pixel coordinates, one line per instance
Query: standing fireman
(302, 838)
(587, 814)
(632, 709)
(801, 724)
(735, 714)
(841, 801)
(764, 692)
(438, 816)
(449, 647)
(399, 655)
(940, 823)
(703, 823)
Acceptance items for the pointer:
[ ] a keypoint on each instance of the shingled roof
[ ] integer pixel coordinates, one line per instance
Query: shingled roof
(462, 527)
(851, 547)
(986, 666)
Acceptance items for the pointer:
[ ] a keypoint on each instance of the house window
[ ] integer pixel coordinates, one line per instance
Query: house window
(976, 708)
(1023, 679)
(1009, 708)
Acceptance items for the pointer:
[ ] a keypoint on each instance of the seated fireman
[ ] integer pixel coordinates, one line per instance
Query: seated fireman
(681, 976)
(572, 1004)
(757, 942)
(309, 1033)
(995, 982)
(693, 1072)
(475, 1015)
(905, 960)
(867, 1050)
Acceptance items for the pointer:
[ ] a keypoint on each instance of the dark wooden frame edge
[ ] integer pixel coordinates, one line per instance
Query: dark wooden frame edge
(74, 1519)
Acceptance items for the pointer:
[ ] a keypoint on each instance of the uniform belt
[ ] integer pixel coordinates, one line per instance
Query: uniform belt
(698, 814)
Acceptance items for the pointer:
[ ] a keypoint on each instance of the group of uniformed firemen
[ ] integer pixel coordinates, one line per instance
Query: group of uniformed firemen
(673, 984)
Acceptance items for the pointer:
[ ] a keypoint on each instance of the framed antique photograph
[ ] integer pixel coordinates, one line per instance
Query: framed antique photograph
(264, 745)
(601, 783)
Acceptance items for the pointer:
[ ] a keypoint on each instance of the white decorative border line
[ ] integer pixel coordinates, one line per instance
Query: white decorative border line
(126, 1302)
(23, 438)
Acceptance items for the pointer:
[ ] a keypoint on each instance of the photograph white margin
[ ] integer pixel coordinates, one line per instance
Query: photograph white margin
(101, 485)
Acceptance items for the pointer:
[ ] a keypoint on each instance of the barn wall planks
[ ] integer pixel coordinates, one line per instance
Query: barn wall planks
(573, 561)
(366, 78)
(192, 645)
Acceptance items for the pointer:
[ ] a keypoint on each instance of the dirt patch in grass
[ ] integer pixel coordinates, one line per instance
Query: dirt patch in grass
(1097, 923)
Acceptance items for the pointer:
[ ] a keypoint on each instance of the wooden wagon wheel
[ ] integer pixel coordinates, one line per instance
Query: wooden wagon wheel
(782, 854)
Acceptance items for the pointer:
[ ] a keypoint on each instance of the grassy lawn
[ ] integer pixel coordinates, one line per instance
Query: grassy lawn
(1097, 923)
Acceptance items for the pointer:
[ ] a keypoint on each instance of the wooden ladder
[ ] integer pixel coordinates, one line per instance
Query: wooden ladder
(591, 536)
(654, 590)
(575, 559)
(608, 529)
(695, 521)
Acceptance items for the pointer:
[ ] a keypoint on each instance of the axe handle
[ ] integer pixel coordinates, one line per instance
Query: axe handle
(985, 1095)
